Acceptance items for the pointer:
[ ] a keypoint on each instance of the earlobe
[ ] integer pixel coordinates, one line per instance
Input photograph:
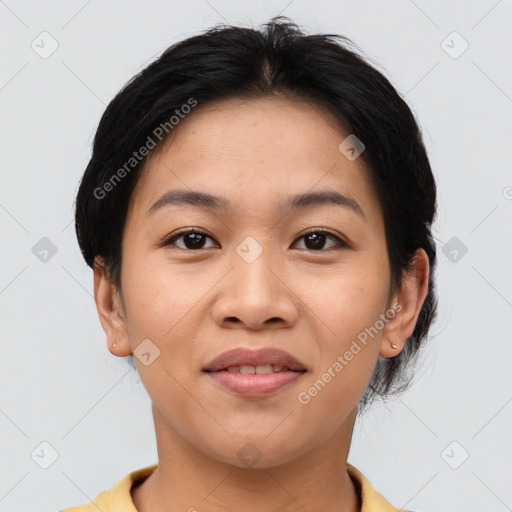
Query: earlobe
(411, 297)
(110, 311)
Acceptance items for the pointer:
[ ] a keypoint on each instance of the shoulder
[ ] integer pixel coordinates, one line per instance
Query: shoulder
(371, 499)
(119, 497)
(99, 503)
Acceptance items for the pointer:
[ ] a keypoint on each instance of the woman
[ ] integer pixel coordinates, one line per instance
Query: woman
(257, 211)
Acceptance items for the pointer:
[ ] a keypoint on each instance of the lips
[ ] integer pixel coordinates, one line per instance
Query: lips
(248, 362)
(255, 373)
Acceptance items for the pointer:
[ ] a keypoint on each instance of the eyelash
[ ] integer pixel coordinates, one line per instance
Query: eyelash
(341, 243)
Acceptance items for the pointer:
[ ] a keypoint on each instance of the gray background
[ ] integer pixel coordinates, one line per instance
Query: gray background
(59, 383)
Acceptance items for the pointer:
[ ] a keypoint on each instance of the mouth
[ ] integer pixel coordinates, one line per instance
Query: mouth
(261, 369)
(255, 373)
(265, 360)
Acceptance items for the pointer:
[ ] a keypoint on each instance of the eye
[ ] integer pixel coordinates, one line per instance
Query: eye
(192, 238)
(316, 239)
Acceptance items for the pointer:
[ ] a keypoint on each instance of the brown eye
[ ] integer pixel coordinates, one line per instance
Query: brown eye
(316, 240)
(193, 239)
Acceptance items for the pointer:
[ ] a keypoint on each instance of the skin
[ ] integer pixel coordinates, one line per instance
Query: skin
(195, 304)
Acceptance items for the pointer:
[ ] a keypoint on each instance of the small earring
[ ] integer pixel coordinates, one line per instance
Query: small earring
(393, 345)
(114, 345)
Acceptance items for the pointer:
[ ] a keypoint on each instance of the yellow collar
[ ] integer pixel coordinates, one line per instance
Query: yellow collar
(119, 499)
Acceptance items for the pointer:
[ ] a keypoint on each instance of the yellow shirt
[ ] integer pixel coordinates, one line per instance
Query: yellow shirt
(118, 499)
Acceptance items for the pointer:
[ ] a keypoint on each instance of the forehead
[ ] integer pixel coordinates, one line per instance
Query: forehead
(255, 152)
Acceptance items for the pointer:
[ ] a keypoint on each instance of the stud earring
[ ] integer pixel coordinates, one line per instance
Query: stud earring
(114, 345)
(393, 345)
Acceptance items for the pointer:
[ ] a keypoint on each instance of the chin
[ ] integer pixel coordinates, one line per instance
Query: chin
(257, 451)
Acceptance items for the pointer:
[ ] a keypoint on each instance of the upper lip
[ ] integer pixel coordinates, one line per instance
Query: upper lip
(244, 356)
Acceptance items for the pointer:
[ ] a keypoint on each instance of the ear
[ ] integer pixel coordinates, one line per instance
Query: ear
(110, 310)
(408, 302)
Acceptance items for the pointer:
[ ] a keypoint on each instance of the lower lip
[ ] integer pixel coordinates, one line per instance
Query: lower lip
(254, 385)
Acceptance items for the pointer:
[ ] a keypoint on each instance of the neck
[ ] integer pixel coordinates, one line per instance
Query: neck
(188, 480)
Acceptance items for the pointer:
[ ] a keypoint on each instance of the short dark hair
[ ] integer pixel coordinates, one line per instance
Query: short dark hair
(234, 62)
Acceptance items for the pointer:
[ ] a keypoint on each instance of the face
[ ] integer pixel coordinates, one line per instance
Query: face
(255, 272)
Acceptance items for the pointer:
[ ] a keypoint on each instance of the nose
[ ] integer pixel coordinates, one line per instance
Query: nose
(255, 296)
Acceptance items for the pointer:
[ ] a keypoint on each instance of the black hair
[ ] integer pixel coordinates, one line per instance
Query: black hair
(279, 59)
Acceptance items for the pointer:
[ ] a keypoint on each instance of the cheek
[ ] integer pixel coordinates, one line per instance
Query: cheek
(156, 296)
(348, 331)
(349, 302)
(149, 306)
(349, 350)
(165, 306)
(326, 401)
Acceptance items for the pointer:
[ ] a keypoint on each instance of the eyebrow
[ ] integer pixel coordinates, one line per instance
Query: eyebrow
(208, 201)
